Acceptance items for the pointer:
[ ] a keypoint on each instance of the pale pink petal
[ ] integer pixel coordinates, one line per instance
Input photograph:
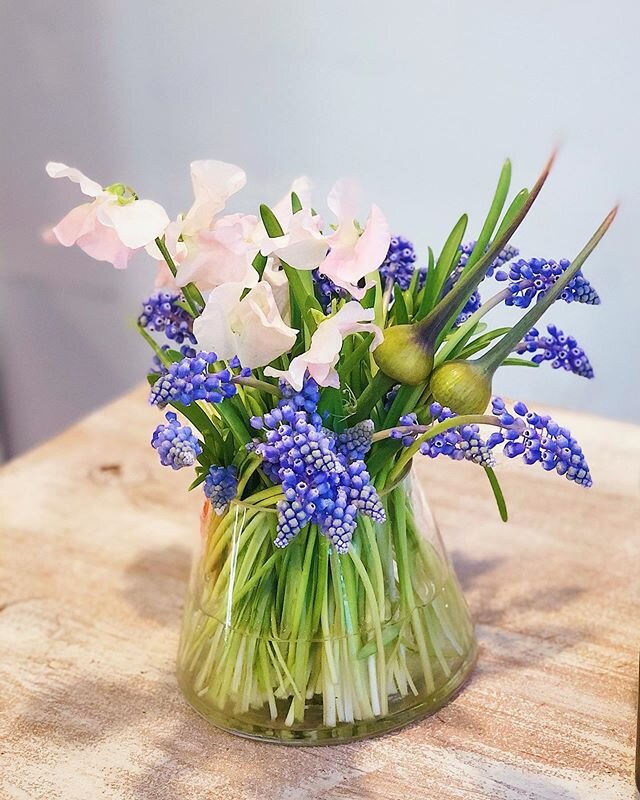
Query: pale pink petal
(57, 170)
(275, 276)
(220, 255)
(104, 244)
(324, 351)
(303, 246)
(213, 184)
(372, 247)
(212, 328)
(78, 222)
(250, 328)
(343, 200)
(262, 334)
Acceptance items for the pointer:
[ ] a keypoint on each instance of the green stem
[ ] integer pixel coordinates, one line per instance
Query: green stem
(191, 293)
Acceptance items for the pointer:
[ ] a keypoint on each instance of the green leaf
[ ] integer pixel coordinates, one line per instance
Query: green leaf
(401, 315)
(296, 205)
(497, 493)
(495, 210)
(152, 377)
(331, 406)
(200, 479)
(270, 222)
(444, 266)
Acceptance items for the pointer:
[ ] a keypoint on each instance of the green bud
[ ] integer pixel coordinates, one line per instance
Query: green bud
(462, 386)
(403, 356)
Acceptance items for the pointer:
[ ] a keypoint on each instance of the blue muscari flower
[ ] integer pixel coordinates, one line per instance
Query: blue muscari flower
(175, 443)
(561, 350)
(464, 442)
(529, 280)
(327, 290)
(320, 484)
(355, 442)
(159, 368)
(220, 487)
(162, 313)
(191, 379)
(508, 253)
(399, 263)
(539, 440)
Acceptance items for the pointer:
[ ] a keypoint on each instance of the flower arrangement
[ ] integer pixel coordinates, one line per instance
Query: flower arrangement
(313, 358)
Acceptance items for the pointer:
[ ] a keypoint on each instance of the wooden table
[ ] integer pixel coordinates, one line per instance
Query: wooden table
(95, 553)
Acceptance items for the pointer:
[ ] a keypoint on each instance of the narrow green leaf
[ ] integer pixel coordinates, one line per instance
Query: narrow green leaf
(401, 315)
(270, 222)
(448, 257)
(296, 205)
(495, 210)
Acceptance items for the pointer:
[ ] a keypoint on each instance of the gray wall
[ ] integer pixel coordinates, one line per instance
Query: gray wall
(420, 101)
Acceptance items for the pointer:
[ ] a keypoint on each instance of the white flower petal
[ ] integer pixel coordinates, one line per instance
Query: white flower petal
(251, 328)
(55, 169)
(137, 223)
(214, 182)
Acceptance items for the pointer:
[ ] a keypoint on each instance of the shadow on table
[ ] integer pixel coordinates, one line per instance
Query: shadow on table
(155, 583)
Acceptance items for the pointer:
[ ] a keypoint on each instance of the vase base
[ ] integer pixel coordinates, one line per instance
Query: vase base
(403, 711)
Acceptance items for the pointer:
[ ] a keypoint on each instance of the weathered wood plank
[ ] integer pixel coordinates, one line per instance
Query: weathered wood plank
(96, 543)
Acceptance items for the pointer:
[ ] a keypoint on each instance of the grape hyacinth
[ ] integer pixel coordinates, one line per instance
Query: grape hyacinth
(175, 443)
(320, 483)
(158, 367)
(327, 290)
(355, 442)
(529, 280)
(220, 487)
(464, 442)
(508, 253)
(539, 439)
(561, 350)
(162, 313)
(191, 379)
(399, 263)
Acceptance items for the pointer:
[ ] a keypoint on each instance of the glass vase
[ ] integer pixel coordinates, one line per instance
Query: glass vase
(303, 645)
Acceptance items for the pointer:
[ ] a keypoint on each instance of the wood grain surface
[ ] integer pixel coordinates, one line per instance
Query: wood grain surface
(96, 545)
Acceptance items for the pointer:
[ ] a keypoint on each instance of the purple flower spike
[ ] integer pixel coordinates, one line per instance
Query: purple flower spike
(538, 439)
(220, 487)
(561, 350)
(190, 380)
(175, 443)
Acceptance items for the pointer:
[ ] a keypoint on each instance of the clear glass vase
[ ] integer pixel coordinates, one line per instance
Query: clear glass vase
(302, 645)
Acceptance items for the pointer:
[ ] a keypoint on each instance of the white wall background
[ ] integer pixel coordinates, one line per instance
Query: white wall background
(419, 100)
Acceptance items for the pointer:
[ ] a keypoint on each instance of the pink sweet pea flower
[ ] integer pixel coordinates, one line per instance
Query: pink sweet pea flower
(323, 353)
(110, 227)
(302, 244)
(250, 327)
(209, 250)
(353, 254)
(221, 253)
